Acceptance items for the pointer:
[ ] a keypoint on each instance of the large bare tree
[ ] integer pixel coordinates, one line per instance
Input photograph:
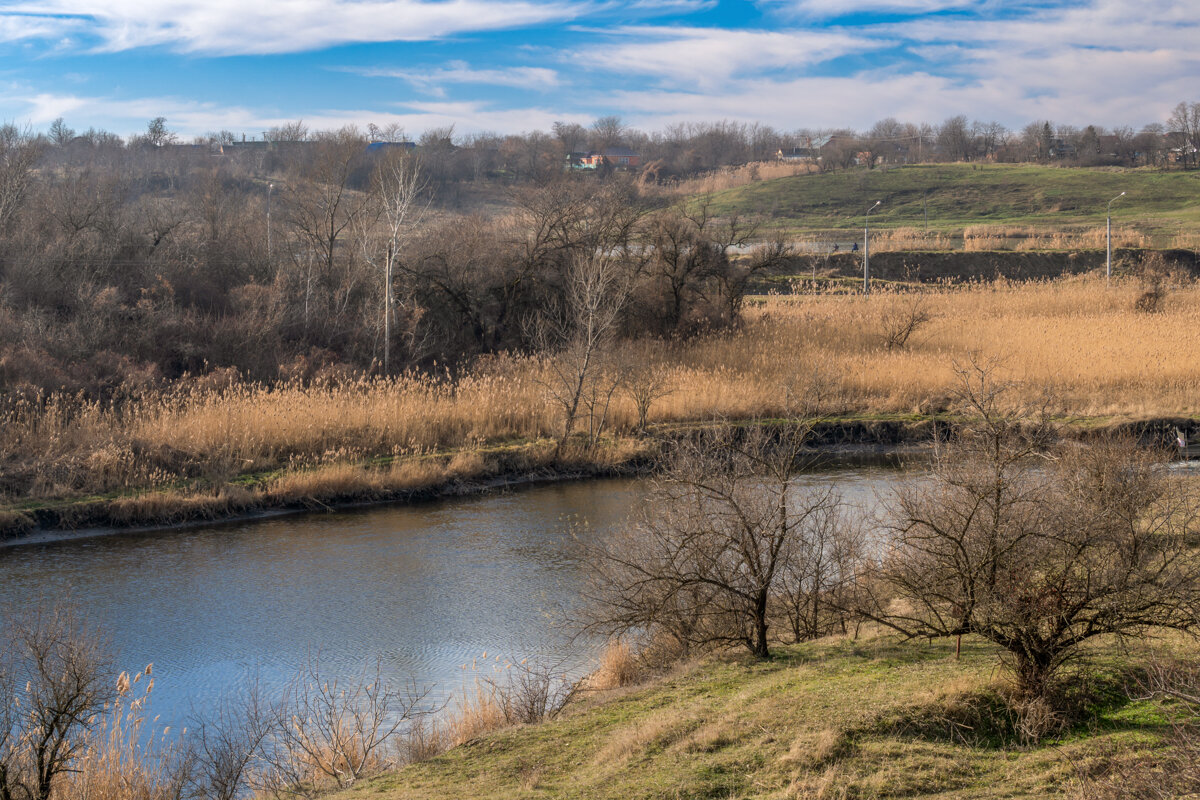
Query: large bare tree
(707, 560)
(1035, 545)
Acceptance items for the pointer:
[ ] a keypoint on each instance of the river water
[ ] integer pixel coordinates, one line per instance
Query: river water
(422, 589)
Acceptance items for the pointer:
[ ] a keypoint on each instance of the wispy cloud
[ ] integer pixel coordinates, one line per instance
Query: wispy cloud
(710, 56)
(234, 26)
(839, 8)
(433, 80)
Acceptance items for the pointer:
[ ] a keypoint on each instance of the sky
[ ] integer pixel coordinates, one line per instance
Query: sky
(511, 66)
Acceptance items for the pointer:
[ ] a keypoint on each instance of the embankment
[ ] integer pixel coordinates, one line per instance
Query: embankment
(487, 468)
(981, 265)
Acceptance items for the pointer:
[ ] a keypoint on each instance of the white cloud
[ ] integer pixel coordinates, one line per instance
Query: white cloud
(459, 72)
(272, 26)
(837, 8)
(709, 56)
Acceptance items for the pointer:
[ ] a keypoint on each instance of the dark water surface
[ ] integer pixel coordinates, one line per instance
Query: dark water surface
(423, 588)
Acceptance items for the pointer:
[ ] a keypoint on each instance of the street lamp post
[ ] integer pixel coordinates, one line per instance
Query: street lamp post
(867, 249)
(1108, 240)
(270, 188)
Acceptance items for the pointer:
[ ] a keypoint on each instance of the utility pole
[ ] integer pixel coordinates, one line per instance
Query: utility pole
(867, 249)
(387, 308)
(270, 188)
(1108, 241)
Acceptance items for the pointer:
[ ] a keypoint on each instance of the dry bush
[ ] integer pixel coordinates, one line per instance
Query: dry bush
(475, 713)
(906, 239)
(903, 317)
(326, 732)
(619, 666)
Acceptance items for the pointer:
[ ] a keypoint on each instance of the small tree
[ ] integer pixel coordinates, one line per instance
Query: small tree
(1036, 546)
(707, 559)
(55, 680)
(578, 334)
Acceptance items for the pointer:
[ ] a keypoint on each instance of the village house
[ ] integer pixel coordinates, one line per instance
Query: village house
(620, 157)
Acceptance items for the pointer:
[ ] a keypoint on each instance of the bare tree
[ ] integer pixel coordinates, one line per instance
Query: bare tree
(579, 334)
(1184, 127)
(398, 186)
(707, 559)
(643, 384)
(815, 589)
(902, 318)
(326, 732)
(56, 680)
(225, 745)
(19, 152)
(1038, 549)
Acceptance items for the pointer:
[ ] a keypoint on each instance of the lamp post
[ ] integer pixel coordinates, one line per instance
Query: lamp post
(1108, 240)
(270, 188)
(867, 249)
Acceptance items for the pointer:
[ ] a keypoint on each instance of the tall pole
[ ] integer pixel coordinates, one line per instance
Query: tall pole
(867, 249)
(1108, 240)
(270, 188)
(387, 309)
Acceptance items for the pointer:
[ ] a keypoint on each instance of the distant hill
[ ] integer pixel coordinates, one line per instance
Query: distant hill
(956, 196)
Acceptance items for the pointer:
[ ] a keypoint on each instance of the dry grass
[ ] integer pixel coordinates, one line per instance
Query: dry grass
(658, 731)
(729, 178)
(1083, 343)
(619, 666)
(476, 712)
(124, 757)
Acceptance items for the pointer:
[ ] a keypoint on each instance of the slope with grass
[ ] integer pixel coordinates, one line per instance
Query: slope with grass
(834, 719)
(1161, 204)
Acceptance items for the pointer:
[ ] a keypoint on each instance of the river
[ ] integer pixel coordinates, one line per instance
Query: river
(423, 589)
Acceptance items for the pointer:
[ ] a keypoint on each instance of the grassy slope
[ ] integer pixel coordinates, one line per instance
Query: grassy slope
(959, 195)
(818, 720)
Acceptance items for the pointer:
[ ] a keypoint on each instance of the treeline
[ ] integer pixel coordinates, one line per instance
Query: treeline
(685, 149)
(124, 266)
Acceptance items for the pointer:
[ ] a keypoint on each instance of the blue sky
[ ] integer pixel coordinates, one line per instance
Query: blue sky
(518, 65)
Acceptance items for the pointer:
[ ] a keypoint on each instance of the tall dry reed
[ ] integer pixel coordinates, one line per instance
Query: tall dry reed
(1086, 344)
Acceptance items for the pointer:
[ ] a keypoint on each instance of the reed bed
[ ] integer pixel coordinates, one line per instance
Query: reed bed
(1083, 343)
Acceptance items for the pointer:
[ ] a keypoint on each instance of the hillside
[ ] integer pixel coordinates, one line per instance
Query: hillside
(835, 719)
(1160, 204)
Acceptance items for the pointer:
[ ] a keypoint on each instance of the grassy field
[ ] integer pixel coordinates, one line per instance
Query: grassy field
(1163, 207)
(245, 446)
(832, 719)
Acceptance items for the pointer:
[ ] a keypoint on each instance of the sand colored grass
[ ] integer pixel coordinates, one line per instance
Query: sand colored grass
(1081, 342)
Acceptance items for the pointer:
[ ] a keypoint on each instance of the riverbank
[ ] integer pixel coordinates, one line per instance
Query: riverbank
(835, 718)
(437, 476)
(214, 447)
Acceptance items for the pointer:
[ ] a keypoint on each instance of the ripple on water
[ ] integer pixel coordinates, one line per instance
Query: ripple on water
(423, 589)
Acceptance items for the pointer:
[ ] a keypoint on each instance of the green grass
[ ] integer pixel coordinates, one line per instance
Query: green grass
(958, 195)
(828, 719)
